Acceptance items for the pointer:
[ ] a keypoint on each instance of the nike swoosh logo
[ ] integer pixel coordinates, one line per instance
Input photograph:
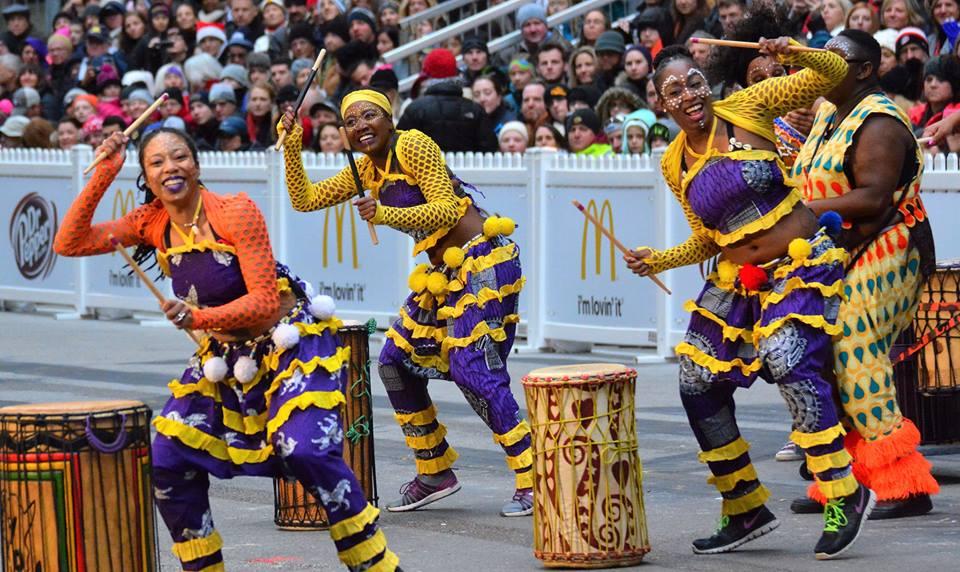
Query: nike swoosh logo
(748, 524)
(863, 502)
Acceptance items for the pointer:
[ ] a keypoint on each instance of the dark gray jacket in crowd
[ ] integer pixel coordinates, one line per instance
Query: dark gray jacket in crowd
(454, 122)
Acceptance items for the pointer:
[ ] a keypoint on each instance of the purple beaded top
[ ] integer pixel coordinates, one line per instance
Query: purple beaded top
(206, 278)
(727, 194)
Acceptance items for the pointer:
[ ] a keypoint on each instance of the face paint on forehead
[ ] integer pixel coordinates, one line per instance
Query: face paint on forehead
(694, 72)
(360, 108)
(840, 47)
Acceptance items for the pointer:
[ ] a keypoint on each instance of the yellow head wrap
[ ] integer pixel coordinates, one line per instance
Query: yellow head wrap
(368, 95)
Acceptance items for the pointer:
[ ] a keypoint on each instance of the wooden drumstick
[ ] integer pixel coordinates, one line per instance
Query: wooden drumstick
(303, 94)
(146, 280)
(606, 232)
(748, 45)
(130, 130)
(924, 141)
(357, 181)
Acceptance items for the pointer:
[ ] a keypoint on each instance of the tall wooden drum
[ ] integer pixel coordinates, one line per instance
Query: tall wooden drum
(294, 507)
(75, 488)
(587, 498)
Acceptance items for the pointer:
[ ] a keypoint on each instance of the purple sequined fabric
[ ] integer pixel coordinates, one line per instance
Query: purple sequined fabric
(728, 194)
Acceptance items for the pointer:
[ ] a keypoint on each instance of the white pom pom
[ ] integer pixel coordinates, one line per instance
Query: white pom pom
(308, 289)
(286, 336)
(215, 369)
(322, 307)
(245, 369)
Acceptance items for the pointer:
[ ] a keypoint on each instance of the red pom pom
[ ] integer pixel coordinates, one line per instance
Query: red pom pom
(752, 277)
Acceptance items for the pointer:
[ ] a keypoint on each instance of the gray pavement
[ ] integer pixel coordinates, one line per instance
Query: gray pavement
(42, 359)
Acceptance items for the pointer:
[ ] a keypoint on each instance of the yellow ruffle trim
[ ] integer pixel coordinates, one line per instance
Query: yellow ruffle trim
(729, 332)
(246, 424)
(428, 441)
(203, 386)
(838, 488)
(728, 452)
(498, 255)
(388, 563)
(746, 502)
(521, 461)
(323, 399)
(480, 299)
(726, 483)
(354, 524)
(836, 460)
(436, 362)
(272, 361)
(829, 257)
(765, 222)
(716, 365)
(514, 435)
(197, 439)
(825, 437)
(332, 364)
(197, 547)
(420, 331)
(818, 322)
(423, 417)
(434, 466)
(429, 242)
(525, 480)
(797, 283)
(480, 330)
(357, 555)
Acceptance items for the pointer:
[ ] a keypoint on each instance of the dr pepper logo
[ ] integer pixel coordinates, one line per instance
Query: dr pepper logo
(32, 228)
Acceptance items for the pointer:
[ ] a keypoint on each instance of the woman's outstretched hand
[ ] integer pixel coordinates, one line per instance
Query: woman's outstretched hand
(637, 262)
(113, 146)
(775, 47)
(288, 120)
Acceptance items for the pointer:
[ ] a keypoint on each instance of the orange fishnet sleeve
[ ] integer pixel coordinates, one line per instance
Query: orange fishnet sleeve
(422, 159)
(79, 237)
(243, 226)
(304, 195)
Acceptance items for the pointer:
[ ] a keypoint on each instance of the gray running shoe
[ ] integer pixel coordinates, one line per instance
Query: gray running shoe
(521, 505)
(419, 493)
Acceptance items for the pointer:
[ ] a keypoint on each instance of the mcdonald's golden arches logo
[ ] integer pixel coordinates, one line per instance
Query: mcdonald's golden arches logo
(123, 202)
(339, 213)
(606, 219)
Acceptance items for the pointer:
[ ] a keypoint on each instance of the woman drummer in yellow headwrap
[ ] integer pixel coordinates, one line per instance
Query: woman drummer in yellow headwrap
(460, 319)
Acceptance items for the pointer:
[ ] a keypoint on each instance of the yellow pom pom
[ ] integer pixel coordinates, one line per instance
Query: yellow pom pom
(727, 271)
(453, 257)
(506, 226)
(491, 226)
(417, 282)
(799, 249)
(437, 283)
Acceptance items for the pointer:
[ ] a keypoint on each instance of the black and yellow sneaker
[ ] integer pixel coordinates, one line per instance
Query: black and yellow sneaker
(737, 530)
(843, 520)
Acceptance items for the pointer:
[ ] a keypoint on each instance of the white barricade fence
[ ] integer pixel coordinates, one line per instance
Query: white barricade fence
(578, 288)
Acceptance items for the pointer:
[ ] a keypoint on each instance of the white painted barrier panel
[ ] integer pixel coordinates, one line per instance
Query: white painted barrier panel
(589, 294)
(37, 189)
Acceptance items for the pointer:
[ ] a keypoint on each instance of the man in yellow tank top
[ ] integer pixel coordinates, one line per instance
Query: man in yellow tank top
(862, 162)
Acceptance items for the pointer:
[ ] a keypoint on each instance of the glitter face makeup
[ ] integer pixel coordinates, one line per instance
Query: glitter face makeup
(694, 86)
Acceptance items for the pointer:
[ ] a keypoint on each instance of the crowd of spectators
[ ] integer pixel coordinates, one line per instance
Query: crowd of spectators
(231, 67)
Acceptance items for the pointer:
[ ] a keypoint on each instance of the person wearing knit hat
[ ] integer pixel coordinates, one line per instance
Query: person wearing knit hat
(555, 99)
(363, 25)
(224, 100)
(440, 63)
(636, 126)
(888, 50)
(27, 102)
(583, 128)
(912, 44)
(610, 48)
(12, 131)
(211, 38)
(389, 14)
(476, 57)
(303, 43)
(236, 74)
(416, 194)
(513, 137)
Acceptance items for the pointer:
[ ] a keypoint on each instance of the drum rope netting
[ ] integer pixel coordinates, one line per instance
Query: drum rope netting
(75, 491)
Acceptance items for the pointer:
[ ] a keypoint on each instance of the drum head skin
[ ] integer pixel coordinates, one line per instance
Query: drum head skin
(585, 370)
(69, 407)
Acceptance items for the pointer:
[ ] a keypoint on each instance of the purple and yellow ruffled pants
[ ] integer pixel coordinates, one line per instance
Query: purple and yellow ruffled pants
(784, 332)
(459, 324)
(284, 421)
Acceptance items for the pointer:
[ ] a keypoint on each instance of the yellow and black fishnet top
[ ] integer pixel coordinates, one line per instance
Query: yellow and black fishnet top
(422, 166)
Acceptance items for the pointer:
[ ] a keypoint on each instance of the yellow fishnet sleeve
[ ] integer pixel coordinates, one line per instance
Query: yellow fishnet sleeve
(697, 247)
(304, 195)
(422, 159)
(755, 107)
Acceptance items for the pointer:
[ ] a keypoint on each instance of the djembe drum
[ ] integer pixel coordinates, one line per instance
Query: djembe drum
(587, 499)
(294, 507)
(75, 488)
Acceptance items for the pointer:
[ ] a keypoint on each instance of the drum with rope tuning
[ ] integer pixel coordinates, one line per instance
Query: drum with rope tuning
(294, 507)
(587, 497)
(75, 488)
(927, 358)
